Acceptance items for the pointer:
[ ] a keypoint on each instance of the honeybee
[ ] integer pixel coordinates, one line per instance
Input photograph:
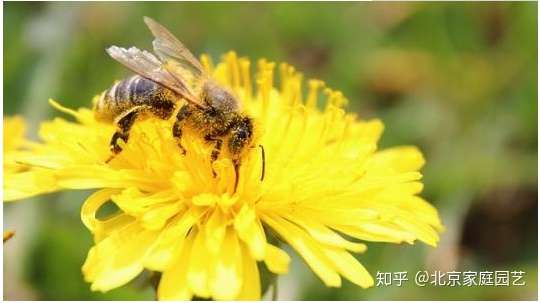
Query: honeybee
(157, 89)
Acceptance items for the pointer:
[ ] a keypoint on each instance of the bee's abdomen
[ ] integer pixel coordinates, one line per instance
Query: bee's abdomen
(124, 95)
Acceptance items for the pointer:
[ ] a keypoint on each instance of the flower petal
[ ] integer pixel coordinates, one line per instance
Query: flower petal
(308, 249)
(377, 232)
(227, 282)
(251, 284)
(28, 184)
(400, 159)
(156, 217)
(173, 284)
(132, 201)
(323, 234)
(276, 259)
(92, 205)
(349, 267)
(216, 228)
(118, 258)
(250, 230)
(170, 239)
(200, 266)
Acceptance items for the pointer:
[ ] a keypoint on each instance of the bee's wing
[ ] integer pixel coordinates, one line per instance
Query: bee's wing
(147, 65)
(177, 59)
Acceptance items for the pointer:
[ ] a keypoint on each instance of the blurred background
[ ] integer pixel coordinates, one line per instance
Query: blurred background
(459, 80)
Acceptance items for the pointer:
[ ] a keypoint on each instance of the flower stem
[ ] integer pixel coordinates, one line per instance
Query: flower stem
(275, 289)
(154, 280)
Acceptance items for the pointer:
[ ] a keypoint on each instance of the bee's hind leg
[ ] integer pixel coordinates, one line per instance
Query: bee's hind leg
(124, 123)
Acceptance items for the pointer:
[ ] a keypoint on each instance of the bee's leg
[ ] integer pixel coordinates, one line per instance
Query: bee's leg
(240, 136)
(124, 124)
(236, 163)
(181, 116)
(215, 152)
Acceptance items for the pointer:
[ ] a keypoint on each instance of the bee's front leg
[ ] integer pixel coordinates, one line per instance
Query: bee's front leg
(240, 135)
(181, 116)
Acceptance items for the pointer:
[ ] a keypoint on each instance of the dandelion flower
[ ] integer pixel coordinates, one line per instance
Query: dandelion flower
(21, 180)
(325, 183)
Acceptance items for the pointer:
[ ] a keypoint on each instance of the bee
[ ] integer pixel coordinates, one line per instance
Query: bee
(173, 78)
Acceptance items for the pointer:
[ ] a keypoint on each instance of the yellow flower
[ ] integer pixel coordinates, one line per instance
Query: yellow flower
(324, 179)
(19, 180)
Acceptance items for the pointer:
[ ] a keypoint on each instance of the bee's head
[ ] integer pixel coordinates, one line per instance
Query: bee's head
(219, 98)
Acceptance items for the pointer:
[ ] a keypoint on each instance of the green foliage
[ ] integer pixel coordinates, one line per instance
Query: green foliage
(55, 261)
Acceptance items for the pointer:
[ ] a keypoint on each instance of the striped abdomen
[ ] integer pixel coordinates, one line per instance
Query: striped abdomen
(131, 92)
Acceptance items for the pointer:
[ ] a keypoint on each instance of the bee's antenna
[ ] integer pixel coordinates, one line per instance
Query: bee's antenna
(263, 162)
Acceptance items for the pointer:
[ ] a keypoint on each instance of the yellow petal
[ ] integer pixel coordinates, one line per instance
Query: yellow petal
(307, 248)
(170, 238)
(201, 262)
(13, 131)
(84, 177)
(118, 258)
(376, 232)
(427, 212)
(156, 217)
(349, 267)
(323, 234)
(228, 269)
(133, 201)
(413, 207)
(216, 227)
(173, 284)
(251, 284)
(103, 228)
(330, 216)
(401, 159)
(276, 259)
(28, 184)
(92, 205)
(422, 231)
(250, 230)
(63, 109)
(205, 199)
